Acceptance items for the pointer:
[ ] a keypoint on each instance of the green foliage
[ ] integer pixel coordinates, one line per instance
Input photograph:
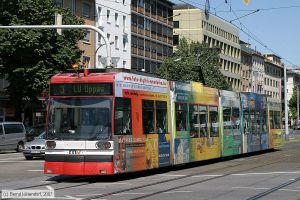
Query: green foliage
(293, 104)
(194, 62)
(30, 57)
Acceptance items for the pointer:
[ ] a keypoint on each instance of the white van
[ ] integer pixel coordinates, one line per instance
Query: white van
(12, 136)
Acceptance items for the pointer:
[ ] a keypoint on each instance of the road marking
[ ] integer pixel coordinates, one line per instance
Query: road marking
(86, 195)
(70, 197)
(208, 175)
(35, 170)
(289, 190)
(266, 173)
(179, 191)
(129, 193)
(176, 175)
(252, 188)
(11, 158)
(10, 161)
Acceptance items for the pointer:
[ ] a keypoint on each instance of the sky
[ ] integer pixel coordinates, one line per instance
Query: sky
(276, 25)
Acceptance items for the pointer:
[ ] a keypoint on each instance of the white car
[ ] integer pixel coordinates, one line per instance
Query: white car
(35, 148)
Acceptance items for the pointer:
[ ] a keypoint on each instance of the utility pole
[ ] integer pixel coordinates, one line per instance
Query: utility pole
(108, 50)
(286, 106)
(297, 104)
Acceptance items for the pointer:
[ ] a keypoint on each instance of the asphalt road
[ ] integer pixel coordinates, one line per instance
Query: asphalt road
(269, 175)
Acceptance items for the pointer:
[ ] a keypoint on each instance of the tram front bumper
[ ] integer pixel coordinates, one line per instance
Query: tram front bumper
(79, 165)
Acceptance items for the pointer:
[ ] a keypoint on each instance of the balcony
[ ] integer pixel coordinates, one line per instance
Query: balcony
(153, 55)
(134, 29)
(153, 36)
(147, 33)
(147, 54)
(140, 52)
(141, 10)
(147, 13)
(134, 50)
(170, 40)
(141, 31)
(134, 8)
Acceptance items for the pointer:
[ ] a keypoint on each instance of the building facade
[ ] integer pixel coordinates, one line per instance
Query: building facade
(193, 24)
(257, 72)
(151, 34)
(84, 9)
(246, 63)
(113, 18)
(273, 76)
(293, 80)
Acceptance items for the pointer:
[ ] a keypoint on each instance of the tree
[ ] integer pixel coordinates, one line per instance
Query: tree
(194, 62)
(293, 104)
(30, 57)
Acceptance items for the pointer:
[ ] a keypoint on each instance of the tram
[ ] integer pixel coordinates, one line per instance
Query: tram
(106, 123)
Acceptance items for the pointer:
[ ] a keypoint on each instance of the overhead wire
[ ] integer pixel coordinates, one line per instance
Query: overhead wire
(254, 37)
(247, 31)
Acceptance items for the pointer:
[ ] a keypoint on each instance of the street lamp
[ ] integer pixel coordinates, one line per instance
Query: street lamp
(285, 105)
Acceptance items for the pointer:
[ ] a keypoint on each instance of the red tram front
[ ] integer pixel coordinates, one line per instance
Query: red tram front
(95, 124)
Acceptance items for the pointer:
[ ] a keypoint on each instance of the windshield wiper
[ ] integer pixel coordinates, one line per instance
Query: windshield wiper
(55, 136)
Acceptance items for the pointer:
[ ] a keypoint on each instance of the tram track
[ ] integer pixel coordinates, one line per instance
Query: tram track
(181, 178)
(60, 185)
(263, 194)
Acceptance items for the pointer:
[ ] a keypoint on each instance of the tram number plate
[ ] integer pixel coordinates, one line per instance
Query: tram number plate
(75, 152)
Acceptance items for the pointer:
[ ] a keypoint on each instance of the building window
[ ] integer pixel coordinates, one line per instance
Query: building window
(124, 43)
(108, 16)
(86, 10)
(117, 19)
(108, 37)
(124, 63)
(176, 24)
(87, 36)
(124, 24)
(86, 61)
(59, 3)
(99, 39)
(141, 3)
(124, 2)
(73, 6)
(175, 39)
(116, 42)
(100, 16)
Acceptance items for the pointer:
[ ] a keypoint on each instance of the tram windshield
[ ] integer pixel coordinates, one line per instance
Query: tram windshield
(79, 118)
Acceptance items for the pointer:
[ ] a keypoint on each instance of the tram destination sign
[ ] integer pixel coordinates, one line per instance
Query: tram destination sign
(81, 89)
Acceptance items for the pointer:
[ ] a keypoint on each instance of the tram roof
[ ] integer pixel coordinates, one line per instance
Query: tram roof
(94, 75)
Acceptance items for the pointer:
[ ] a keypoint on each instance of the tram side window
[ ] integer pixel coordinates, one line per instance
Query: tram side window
(203, 121)
(246, 121)
(161, 117)
(236, 120)
(264, 122)
(276, 116)
(227, 120)
(148, 116)
(213, 119)
(194, 121)
(271, 120)
(252, 122)
(258, 122)
(123, 116)
(181, 111)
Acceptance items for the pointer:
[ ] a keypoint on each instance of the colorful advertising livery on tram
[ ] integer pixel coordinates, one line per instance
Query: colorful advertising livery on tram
(116, 122)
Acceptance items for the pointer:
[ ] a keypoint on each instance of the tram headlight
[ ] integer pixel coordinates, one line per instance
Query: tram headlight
(50, 144)
(103, 145)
